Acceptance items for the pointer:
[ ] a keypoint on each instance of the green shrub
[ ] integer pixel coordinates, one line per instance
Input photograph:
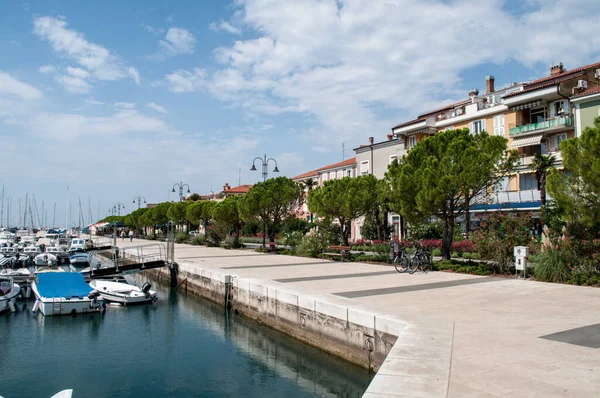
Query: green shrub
(151, 237)
(554, 265)
(367, 258)
(181, 237)
(471, 256)
(436, 252)
(315, 242)
(427, 230)
(199, 240)
(465, 267)
(292, 239)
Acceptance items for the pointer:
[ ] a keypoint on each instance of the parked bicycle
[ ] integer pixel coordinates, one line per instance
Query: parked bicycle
(420, 260)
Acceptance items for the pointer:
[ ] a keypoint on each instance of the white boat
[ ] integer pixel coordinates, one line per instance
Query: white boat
(9, 291)
(41, 270)
(124, 293)
(19, 275)
(45, 259)
(63, 394)
(64, 293)
(32, 251)
(79, 259)
(60, 253)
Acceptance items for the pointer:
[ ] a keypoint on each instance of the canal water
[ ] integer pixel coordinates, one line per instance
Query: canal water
(181, 346)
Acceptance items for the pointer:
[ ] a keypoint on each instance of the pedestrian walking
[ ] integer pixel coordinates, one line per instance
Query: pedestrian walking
(131, 235)
(122, 234)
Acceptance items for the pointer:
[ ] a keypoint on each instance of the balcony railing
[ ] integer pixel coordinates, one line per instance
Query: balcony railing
(550, 124)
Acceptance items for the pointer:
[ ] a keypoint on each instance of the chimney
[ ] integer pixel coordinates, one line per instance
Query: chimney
(371, 141)
(489, 84)
(474, 92)
(390, 137)
(556, 69)
(226, 187)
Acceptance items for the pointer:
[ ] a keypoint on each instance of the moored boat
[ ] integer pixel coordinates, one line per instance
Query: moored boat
(9, 291)
(45, 260)
(64, 293)
(124, 293)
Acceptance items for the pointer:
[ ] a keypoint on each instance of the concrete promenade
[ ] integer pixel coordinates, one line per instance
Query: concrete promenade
(502, 337)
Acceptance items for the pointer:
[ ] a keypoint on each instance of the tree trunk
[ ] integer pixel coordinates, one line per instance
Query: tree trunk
(467, 218)
(236, 237)
(448, 236)
(343, 231)
(543, 190)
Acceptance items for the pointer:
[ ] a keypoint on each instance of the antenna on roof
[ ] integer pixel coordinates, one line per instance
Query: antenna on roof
(343, 152)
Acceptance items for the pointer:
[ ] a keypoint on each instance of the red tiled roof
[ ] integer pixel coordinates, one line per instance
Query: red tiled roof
(408, 123)
(552, 80)
(589, 91)
(241, 189)
(463, 102)
(346, 162)
(312, 173)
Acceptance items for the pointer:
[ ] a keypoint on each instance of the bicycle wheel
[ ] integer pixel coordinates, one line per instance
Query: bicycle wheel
(414, 265)
(401, 264)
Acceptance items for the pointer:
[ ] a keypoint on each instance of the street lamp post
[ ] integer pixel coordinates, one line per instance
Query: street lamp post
(180, 186)
(118, 206)
(139, 200)
(265, 175)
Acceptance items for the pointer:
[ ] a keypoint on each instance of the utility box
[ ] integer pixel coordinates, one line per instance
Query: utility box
(521, 253)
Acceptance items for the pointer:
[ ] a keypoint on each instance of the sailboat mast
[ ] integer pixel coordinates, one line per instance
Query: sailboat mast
(67, 210)
(2, 209)
(25, 210)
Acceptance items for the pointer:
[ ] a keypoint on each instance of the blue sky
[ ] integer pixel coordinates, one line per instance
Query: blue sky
(118, 99)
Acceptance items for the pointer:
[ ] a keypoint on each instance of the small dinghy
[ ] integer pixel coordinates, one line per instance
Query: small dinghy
(9, 291)
(64, 293)
(45, 260)
(124, 293)
(19, 275)
(79, 259)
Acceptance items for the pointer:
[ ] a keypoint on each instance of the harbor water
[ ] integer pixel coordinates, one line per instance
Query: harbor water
(181, 346)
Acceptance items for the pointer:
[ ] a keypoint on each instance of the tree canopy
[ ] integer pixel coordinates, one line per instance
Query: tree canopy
(344, 199)
(270, 201)
(578, 190)
(177, 212)
(443, 173)
(228, 212)
(200, 213)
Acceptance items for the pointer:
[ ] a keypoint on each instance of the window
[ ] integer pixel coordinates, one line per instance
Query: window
(324, 177)
(349, 173)
(502, 185)
(392, 158)
(538, 115)
(527, 182)
(499, 125)
(449, 128)
(412, 141)
(364, 167)
(340, 174)
(556, 140)
(559, 108)
(477, 126)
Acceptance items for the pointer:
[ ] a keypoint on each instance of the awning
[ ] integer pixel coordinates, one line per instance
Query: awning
(528, 105)
(530, 140)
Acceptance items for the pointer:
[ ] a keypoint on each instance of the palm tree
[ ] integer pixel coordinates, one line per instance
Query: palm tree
(541, 166)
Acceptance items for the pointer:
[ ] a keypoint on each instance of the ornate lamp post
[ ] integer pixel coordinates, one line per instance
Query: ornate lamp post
(180, 186)
(139, 200)
(265, 175)
(118, 206)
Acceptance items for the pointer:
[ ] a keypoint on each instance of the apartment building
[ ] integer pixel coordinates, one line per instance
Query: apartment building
(586, 108)
(317, 177)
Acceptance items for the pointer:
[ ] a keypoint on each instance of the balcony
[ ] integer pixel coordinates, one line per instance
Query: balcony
(547, 125)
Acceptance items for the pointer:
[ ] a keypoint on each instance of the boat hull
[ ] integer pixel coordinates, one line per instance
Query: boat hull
(51, 306)
(10, 296)
(122, 293)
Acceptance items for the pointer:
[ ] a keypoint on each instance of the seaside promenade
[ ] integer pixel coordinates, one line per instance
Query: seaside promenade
(502, 337)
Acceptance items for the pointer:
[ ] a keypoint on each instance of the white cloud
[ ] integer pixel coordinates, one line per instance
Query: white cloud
(177, 41)
(156, 107)
(12, 87)
(92, 101)
(224, 26)
(135, 75)
(343, 61)
(66, 126)
(74, 84)
(182, 81)
(96, 59)
(78, 72)
(124, 105)
(46, 69)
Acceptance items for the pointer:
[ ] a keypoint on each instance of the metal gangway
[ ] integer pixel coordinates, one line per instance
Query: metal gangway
(127, 260)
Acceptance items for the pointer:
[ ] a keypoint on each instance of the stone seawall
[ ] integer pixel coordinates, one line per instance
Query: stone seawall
(339, 328)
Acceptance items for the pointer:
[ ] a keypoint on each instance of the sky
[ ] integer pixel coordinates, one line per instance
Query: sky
(118, 99)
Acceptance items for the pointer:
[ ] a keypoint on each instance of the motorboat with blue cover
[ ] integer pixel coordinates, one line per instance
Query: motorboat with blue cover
(64, 293)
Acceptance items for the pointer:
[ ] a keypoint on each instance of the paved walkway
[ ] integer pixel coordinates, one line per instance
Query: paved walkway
(512, 338)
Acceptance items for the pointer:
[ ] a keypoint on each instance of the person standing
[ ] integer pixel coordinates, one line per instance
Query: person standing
(122, 234)
(131, 235)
